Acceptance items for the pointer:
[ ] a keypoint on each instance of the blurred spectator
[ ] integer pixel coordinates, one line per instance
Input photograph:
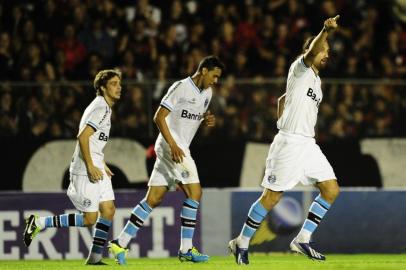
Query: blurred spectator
(72, 47)
(8, 116)
(6, 57)
(98, 40)
(153, 42)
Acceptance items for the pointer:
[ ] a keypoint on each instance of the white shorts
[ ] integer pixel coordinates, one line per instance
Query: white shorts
(86, 195)
(168, 173)
(292, 159)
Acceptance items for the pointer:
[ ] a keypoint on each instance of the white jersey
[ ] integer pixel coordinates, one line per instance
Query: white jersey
(97, 115)
(187, 104)
(302, 100)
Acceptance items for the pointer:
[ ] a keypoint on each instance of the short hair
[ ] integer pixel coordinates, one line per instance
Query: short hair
(210, 62)
(307, 43)
(103, 77)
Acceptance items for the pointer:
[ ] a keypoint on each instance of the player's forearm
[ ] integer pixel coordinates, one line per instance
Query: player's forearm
(85, 150)
(163, 128)
(315, 47)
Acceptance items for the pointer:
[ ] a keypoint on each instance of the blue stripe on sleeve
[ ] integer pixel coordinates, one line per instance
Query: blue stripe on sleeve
(93, 125)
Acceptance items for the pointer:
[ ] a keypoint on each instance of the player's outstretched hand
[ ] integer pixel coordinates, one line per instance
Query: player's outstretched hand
(209, 119)
(95, 174)
(177, 153)
(331, 24)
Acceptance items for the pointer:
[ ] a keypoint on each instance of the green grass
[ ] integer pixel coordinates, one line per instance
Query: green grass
(257, 262)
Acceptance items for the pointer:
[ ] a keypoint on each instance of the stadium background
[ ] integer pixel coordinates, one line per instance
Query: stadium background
(51, 50)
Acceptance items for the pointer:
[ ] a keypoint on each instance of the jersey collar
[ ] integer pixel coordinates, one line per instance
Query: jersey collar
(195, 86)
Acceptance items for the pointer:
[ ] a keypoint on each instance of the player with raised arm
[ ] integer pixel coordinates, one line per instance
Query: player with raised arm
(178, 117)
(90, 188)
(294, 155)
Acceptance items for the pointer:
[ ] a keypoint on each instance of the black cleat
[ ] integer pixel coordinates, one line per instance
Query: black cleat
(31, 230)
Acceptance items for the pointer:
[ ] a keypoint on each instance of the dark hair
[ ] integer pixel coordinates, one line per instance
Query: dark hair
(210, 62)
(307, 43)
(103, 77)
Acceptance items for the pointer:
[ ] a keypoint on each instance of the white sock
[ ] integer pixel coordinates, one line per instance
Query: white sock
(40, 222)
(243, 242)
(124, 239)
(186, 244)
(304, 236)
(94, 257)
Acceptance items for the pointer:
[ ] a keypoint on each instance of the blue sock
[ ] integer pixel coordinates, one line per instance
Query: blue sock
(62, 221)
(256, 214)
(138, 216)
(188, 219)
(100, 235)
(317, 210)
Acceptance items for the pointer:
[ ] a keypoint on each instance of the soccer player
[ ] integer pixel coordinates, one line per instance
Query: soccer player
(90, 188)
(178, 117)
(294, 155)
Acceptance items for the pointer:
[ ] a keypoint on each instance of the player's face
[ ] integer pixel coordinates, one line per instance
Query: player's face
(113, 88)
(322, 57)
(211, 77)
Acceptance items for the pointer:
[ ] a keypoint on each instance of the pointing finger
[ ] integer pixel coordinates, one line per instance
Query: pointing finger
(336, 17)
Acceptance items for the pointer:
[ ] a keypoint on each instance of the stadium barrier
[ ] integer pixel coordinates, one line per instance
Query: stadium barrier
(361, 221)
(379, 163)
(246, 113)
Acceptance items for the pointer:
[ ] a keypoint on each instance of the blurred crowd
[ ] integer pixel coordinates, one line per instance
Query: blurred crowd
(45, 45)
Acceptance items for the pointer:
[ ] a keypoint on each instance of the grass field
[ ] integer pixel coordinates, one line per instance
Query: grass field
(257, 262)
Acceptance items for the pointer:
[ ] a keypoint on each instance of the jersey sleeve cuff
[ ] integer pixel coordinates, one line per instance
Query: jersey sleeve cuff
(92, 125)
(302, 61)
(167, 106)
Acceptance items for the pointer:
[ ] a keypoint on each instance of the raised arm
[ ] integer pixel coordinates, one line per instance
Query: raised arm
(317, 44)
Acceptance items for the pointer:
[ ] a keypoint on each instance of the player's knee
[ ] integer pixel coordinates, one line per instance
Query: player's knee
(108, 212)
(154, 201)
(334, 192)
(196, 195)
(331, 193)
(270, 199)
(90, 219)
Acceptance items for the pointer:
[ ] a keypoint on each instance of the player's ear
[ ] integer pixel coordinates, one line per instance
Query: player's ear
(204, 71)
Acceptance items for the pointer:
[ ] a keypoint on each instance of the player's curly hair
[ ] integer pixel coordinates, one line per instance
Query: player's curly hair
(102, 78)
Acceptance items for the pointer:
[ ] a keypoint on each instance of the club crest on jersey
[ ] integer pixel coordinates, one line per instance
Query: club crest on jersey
(312, 95)
(86, 203)
(192, 116)
(206, 102)
(272, 179)
(185, 174)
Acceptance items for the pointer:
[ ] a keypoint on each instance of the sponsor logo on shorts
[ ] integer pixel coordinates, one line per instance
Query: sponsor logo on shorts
(86, 202)
(272, 179)
(185, 174)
